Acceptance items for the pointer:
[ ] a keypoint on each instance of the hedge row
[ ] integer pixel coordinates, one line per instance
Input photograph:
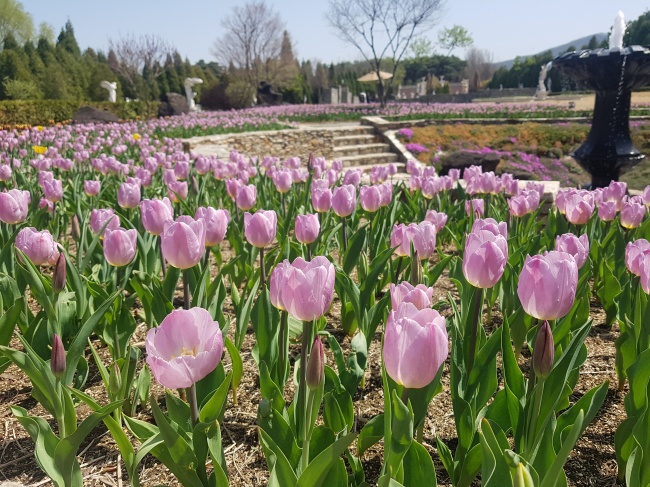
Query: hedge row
(48, 112)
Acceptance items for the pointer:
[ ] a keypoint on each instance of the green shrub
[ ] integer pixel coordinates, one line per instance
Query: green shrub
(47, 112)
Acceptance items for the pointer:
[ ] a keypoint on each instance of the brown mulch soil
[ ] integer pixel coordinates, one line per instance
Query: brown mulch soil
(592, 462)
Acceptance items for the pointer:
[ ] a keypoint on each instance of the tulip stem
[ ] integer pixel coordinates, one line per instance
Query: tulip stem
(282, 356)
(307, 426)
(400, 259)
(309, 252)
(537, 406)
(194, 407)
(163, 264)
(304, 358)
(60, 419)
(186, 289)
(262, 269)
(345, 235)
(206, 258)
(478, 305)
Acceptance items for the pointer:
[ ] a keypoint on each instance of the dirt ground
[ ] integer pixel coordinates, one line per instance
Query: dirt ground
(592, 463)
(582, 102)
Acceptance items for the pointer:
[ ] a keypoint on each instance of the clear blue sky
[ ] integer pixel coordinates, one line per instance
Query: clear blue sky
(506, 28)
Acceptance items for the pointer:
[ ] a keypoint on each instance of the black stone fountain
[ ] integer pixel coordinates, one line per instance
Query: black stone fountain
(613, 74)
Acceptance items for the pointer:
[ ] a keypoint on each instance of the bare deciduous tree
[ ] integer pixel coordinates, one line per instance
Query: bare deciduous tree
(480, 67)
(139, 61)
(252, 43)
(382, 29)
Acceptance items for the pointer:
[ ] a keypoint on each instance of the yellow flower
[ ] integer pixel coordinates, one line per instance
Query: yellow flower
(39, 128)
(39, 149)
(137, 136)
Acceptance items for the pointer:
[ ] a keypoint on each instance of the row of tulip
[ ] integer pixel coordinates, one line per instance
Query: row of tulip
(126, 230)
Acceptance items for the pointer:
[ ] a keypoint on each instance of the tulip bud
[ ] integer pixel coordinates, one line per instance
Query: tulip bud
(57, 359)
(76, 230)
(544, 353)
(316, 366)
(58, 278)
(115, 380)
(522, 477)
(264, 409)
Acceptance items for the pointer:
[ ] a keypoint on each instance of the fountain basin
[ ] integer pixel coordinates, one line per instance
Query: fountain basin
(613, 74)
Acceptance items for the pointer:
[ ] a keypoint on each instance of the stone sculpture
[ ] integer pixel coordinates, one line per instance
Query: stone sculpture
(111, 87)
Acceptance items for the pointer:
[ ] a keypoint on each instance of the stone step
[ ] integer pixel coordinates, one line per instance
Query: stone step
(354, 139)
(352, 131)
(368, 159)
(357, 150)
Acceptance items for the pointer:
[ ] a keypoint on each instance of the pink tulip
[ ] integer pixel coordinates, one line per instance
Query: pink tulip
(353, 177)
(202, 165)
(182, 169)
(547, 285)
(424, 240)
(331, 176)
(128, 195)
(53, 190)
(524, 203)
(578, 247)
(321, 196)
(232, 186)
(578, 208)
(344, 200)
(278, 279)
(645, 273)
(216, 224)
(309, 288)
(401, 238)
(100, 217)
(40, 247)
(632, 214)
(370, 198)
(92, 187)
(439, 219)
(143, 176)
(415, 345)
(607, 211)
(47, 205)
(185, 348)
(282, 181)
(420, 296)
(615, 192)
(5, 172)
(492, 226)
(260, 227)
(646, 195)
(14, 205)
(307, 228)
(476, 206)
(120, 246)
(634, 255)
(386, 192)
(177, 191)
(183, 242)
(246, 197)
(155, 213)
(484, 258)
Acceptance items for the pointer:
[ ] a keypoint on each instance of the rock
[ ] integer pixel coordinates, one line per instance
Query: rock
(174, 104)
(462, 159)
(93, 115)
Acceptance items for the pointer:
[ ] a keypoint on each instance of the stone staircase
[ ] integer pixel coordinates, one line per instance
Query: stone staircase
(360, 146)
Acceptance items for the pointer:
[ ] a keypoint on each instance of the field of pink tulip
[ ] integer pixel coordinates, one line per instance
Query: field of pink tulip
(175, 319)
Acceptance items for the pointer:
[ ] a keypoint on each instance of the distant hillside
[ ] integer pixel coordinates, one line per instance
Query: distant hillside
(578, 43)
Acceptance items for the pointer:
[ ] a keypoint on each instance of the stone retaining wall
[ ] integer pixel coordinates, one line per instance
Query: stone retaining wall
(278, 143)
